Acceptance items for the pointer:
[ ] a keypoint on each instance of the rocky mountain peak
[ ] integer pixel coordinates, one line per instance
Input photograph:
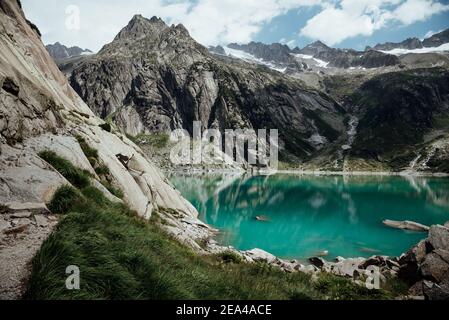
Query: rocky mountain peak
(182, 30)
(314, 48)
(437, 39)
(139, 27)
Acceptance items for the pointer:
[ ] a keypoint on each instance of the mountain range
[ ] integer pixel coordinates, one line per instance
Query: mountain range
(332, 106)
(59, 51)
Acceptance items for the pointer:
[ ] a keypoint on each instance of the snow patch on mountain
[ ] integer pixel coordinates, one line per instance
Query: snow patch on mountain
(242, 55)
(321, 63)
(317, 62)
(400, 52)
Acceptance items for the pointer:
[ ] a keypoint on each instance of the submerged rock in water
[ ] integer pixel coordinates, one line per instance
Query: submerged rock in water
(262, 218)
(406, 225)
(323, 253)
(369, 250)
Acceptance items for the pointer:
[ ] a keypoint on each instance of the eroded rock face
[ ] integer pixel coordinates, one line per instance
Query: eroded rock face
(45, 113)
(40, 111)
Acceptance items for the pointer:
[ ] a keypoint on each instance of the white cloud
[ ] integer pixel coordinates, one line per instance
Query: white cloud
(413, 11)
(209, 21)
(351, 18)
(214, 22)
(224, 21)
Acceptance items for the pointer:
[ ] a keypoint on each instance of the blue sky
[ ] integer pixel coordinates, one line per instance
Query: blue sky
(340, 23)
(285, 27)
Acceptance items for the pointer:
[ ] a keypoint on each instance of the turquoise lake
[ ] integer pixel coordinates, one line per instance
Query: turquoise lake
(310, 214)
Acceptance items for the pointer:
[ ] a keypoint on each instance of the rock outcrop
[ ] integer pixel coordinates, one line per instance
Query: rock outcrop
(426, 266)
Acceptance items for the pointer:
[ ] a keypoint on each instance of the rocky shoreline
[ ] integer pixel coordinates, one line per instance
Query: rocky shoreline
(425, 267)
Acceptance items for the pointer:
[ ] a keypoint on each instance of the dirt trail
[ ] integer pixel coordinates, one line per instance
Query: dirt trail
(22, 233)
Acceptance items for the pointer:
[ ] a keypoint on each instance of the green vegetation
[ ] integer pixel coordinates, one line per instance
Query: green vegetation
(121, 256)
(110, 118)
(101, 170)
(230, 257)
(63, 199)
(90, 153)
(155, 140)
(106, 127)
(77, 177)
(441, 122)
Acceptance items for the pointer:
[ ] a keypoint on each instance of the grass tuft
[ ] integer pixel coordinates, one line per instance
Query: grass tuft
(78, 177)
(65, 198)
(88, 151)
(230, 257)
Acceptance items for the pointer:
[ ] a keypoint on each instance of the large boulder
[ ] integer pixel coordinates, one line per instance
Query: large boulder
(410, 262)
(317, 262)
(433, 291)
(260, 255)
(435, 268)
(439, 237)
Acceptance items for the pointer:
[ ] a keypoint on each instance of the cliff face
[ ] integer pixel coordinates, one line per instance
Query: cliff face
(154, 78)
(404, 119)
(39, 111)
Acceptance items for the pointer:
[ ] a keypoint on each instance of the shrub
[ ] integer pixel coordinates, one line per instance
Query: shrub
(102, 170)
(87, 150)
(106, 127)
(230, 257)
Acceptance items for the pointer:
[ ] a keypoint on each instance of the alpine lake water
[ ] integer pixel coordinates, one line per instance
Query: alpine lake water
(304, 215)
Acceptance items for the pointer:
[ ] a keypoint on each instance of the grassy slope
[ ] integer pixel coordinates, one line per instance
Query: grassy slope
(120, 256)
